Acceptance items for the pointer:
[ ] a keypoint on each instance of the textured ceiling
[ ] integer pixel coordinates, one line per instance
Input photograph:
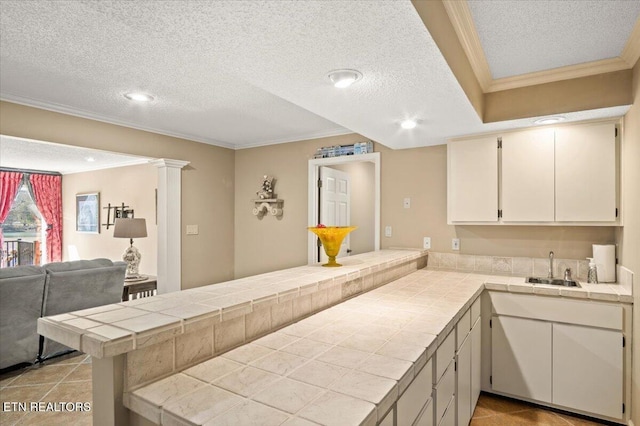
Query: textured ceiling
(520, 37)
(239, 73)
(20, 153)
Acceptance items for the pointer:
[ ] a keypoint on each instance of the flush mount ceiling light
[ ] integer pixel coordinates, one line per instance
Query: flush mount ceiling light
(344, 78)
(549, 120)
(138, 97)
(408, 124)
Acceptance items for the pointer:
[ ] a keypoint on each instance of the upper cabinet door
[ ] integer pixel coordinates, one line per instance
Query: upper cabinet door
(472, 192)
(528, 176)
(586, 173)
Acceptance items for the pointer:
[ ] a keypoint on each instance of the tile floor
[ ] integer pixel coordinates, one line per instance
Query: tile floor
(493, 410)
(68, 379)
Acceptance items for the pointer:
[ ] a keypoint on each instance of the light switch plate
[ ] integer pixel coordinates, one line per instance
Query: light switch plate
(387, 231)
(426, 243)
(192, 229)
(455, 244)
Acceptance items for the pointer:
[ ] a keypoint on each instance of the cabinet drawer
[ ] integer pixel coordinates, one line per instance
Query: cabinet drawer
(444, 355)
(414, 398)
(589, 313)
(462, 328)
(475, 311)
(445, 389)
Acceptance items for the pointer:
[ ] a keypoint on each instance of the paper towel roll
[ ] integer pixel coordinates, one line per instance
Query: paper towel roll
(604, 256)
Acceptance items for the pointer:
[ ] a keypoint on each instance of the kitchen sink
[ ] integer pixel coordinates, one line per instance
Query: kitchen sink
(551, 281)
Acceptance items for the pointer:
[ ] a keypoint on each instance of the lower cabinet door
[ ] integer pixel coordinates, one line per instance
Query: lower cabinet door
(463, 382)
(449, 417)
(426, 417)
(521, 357)
(415, 396)
(388, 419)
(476, 367)
(587, 369)
(445, 390)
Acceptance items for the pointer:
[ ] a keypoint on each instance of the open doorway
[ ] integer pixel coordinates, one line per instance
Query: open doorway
(362, 208)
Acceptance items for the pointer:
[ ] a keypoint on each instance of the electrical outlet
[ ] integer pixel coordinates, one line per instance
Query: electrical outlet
(455, 244)
(192, 229)
(407, 203)
(426, 243)
(387, 231)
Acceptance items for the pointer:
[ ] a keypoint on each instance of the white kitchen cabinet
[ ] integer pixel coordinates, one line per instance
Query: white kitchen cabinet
(388, 419)
(449, 416)
(476, 349)
(586, 359)
(566, 353)
(468, 366)
(528, 176)
(521, 357)
(472, 180)
(426, 417)
(445, 390)
(585, 158)
(416, 396)
(463, 385)
(565, 175)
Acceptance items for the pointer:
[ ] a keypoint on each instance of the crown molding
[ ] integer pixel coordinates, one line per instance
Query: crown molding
(462, 22)
(631, 51)
(558, 74)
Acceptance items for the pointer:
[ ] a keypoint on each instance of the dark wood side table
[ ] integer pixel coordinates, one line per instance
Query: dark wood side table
(137, 289)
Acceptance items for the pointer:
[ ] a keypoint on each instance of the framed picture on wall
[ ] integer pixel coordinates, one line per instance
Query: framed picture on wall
(88, 213)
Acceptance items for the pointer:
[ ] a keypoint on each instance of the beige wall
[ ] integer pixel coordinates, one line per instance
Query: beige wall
(420, 174)
(207, 182)
(363, 195)
(269, 244)
(629, 237)
(133, 185)
(578, 94)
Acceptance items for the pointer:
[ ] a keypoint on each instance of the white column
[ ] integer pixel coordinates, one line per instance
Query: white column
(169, 224)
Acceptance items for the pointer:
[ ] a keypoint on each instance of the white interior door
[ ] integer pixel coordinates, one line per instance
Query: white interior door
(335, 203)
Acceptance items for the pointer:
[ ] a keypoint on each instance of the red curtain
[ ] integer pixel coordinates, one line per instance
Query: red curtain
(47, 191)
(9, 186)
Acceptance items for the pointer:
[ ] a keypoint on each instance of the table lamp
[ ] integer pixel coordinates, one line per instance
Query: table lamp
(131, 228)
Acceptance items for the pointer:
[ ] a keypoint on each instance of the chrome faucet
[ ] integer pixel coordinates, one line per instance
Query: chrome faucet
(550, 275)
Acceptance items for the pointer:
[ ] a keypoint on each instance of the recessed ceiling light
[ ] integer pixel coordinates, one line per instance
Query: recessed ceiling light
(408, 124)
(549, 120)
(90, 159)
(344, 78)
(138, 97)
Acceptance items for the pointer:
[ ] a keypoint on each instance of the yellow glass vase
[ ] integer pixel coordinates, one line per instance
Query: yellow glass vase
(331, 238)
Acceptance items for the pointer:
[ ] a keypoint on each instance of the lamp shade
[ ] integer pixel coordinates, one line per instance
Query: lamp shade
(130, 228)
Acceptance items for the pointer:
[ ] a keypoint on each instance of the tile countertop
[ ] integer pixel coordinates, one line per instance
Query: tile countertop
(119, 328)
(346, 365)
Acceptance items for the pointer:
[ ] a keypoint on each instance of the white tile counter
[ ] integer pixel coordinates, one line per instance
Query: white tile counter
(139, 342)
(346, 365)
(122, 327)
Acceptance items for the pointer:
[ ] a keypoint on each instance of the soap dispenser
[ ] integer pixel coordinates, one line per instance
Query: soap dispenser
(592, 276)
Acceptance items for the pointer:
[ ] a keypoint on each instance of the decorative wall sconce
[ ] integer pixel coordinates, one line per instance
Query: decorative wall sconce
(268, 201)
(119, 212)
(271, 206)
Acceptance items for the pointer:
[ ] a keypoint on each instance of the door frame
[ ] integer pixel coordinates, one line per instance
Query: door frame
(314, 173)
